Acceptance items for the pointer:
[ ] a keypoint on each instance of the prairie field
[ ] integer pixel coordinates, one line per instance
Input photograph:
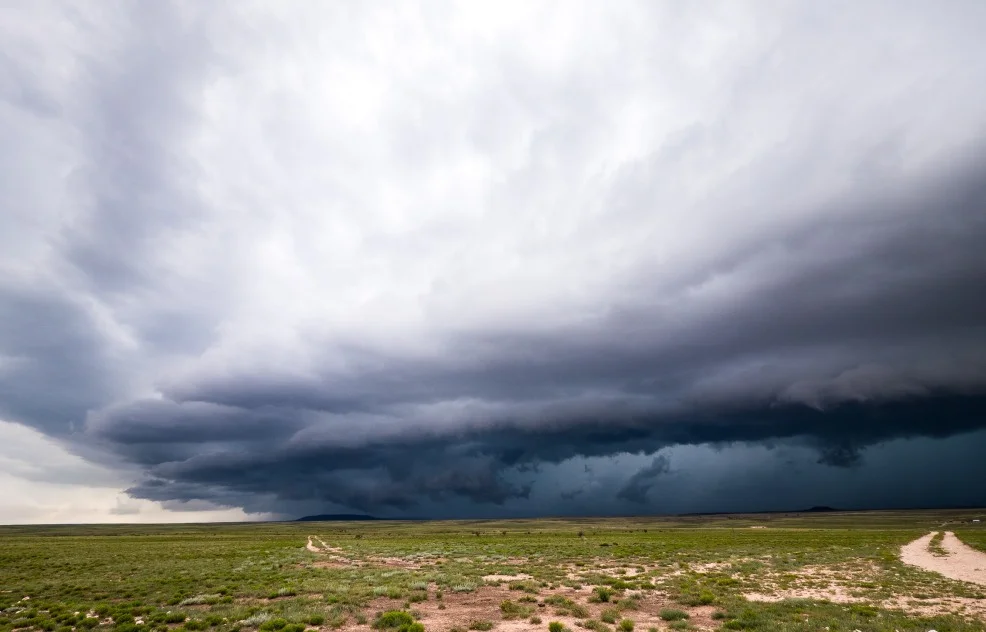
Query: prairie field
(798, 571)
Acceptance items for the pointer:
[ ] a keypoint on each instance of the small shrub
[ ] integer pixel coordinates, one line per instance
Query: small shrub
(536, 620)
(556, 626)
(671, 614)
(601, 594)
(199, 600)
(626, 625)
(482, 625)
(174, 617)
(393, 619)
(565, 605)
(513, 610)
(195, 624)
(315, 619)
(257, 619)
(609, 615)
(271, 625)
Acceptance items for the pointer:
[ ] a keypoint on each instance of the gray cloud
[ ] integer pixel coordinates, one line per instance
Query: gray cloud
(638, 485)
(278, 270)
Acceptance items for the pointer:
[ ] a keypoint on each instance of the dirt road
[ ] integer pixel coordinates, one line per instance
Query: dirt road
(963, 562)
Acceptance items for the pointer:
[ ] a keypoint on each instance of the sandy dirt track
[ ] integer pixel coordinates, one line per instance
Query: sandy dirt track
(963, 562)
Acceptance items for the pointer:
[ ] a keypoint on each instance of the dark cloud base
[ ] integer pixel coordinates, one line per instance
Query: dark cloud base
(479, 467)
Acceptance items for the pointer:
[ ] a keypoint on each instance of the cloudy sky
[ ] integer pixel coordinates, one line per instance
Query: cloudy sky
(266, 259)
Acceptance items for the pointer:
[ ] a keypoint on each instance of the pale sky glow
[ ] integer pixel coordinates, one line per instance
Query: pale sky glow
(44, 484)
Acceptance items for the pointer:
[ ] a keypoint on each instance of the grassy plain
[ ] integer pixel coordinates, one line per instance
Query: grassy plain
(787, 572)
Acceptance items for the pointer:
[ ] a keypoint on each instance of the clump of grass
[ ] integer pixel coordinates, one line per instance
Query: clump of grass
(536, 620)
(256, 620)
(393, 619)
(461, 588)
(702, 598)
(601, 594)
(935, 546)
(199, 600)
(595, 626)
(564, 605)
(481, 624)
(513, 610)
(399, 620)
(609, 615)
(273, 625)
(673, 614)
(557, 626)
(525, 586)
(626, 625)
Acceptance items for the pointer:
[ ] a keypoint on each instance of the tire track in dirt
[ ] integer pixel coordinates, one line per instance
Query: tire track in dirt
(963, 562)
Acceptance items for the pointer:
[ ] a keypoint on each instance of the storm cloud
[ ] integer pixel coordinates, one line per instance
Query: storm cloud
(454, 259)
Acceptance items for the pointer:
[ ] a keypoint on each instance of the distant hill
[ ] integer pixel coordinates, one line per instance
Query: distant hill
(336, 518)
(821, 508)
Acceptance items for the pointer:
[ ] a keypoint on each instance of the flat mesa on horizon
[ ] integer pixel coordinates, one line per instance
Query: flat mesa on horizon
(335, 518)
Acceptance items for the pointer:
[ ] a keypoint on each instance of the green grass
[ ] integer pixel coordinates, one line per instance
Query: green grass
(935, 546)
(224, 578)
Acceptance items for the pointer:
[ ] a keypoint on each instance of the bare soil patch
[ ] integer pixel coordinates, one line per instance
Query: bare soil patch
(457, 610)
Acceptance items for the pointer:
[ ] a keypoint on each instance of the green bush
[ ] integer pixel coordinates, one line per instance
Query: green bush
(271, 625)
(195, 624)
(556, 626)
(513, 610)
(601, 594)
(609, 615)
(393, 619)
(671, 614)
(315, 619)
(482, 625)
(626, 625)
